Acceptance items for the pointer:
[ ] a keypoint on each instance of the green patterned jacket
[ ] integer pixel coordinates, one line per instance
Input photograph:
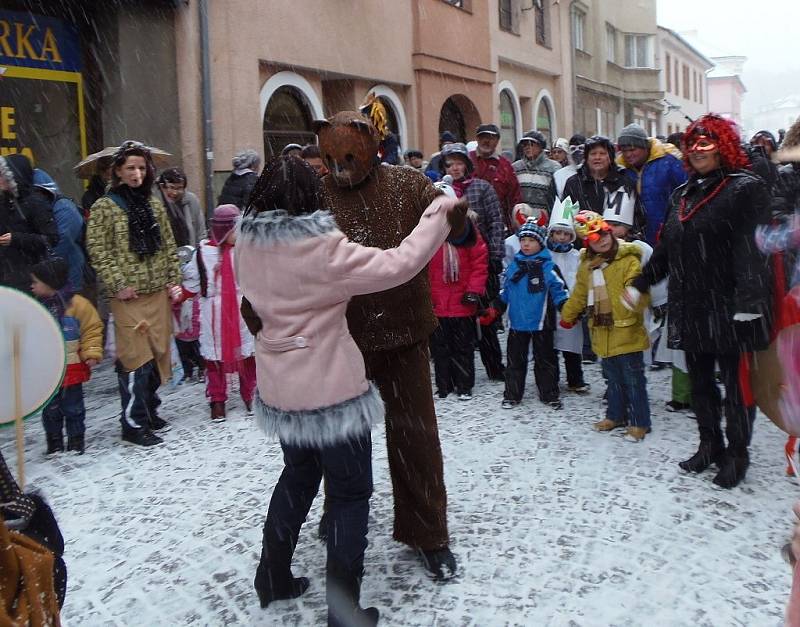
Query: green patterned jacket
(108, 244)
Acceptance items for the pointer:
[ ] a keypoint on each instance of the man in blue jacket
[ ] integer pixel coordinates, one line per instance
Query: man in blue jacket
(656, 169)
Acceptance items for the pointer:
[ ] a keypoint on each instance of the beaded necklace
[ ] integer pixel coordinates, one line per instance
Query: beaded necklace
(683, 216)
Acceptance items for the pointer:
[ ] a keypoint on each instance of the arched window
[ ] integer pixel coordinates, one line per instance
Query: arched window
(508, 121)
(287, 120)
(452, 119)
(544, 120)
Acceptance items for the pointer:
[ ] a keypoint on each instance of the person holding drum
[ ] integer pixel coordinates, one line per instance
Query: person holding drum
(133, 250)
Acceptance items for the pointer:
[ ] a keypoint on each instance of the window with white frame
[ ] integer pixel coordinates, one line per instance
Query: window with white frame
(578, 27)
(638, 50)
(611, 43)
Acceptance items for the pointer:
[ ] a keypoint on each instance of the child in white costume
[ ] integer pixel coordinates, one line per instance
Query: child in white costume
(560, 243)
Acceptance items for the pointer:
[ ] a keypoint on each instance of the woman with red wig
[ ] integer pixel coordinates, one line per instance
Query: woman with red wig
(719, 288)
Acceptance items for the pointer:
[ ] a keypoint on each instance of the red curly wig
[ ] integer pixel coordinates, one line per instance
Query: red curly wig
(731, 153)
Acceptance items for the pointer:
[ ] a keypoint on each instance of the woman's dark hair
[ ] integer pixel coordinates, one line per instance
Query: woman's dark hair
(287, 183)
(173, 176)
(133, 149)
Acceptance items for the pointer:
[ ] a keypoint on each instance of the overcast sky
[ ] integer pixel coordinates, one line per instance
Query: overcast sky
(767, 32)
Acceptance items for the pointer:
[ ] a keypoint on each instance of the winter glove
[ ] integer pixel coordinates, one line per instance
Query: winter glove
(490, 315)
(470, 298)
(565, 325)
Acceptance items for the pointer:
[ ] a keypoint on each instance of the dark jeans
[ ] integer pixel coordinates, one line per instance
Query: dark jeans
(66, 406)
(707, 402)
(189, 352)
(573, 364)
(347, 468)
(545, 364)
(627, 389)
(137, 392)
(453, 350)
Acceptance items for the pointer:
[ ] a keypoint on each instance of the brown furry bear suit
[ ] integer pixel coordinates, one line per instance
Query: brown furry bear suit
(379, 205)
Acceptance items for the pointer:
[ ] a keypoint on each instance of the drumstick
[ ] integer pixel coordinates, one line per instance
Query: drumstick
(16, 355)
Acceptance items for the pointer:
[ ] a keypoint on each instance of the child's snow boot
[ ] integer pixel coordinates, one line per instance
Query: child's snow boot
(55, 444)
(217, 411)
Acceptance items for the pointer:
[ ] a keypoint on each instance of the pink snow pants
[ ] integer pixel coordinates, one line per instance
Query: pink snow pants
(217, 385)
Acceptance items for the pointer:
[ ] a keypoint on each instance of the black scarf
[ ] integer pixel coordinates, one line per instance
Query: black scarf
(143, 228)
(534, 270)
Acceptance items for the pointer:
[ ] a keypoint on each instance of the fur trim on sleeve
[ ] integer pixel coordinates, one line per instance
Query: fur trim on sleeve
(326, 426)
(278, 227)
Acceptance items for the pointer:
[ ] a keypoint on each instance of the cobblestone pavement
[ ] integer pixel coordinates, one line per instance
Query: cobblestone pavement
(552, 523)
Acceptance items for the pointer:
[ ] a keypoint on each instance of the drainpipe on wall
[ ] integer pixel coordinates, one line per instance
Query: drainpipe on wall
(208, 136)
(572, 73)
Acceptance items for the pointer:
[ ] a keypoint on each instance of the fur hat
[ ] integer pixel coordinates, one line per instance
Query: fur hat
(562, 143)
(633, 135)
(224, 221)
(532, 229)
(53, 272)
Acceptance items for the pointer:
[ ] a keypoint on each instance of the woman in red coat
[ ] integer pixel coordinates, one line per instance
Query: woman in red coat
(458, 273)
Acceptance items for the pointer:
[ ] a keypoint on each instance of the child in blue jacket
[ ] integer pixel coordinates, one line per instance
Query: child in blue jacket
(532, 288)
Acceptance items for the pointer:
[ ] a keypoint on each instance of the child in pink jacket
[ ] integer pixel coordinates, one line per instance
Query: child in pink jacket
(458, 273)
(298, 271)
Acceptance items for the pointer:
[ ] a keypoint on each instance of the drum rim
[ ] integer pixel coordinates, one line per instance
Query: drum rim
(11, 423)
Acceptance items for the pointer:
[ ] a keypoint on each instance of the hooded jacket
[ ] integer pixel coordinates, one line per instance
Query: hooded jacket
(25, 213)
(237, 188)
(533, 296)
(473, 270)
(71, 228)
(715, 269)
(312, 386)
(655, 181)
(627, 333)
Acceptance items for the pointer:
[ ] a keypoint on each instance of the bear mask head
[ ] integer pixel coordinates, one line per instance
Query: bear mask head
(348, 142)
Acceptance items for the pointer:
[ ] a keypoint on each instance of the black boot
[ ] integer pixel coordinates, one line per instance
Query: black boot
(55, 444)
(440, 563)
(343, 591)
(271, 588)
(322, 531)
(76, 443)
(733, 468)
(708, 453)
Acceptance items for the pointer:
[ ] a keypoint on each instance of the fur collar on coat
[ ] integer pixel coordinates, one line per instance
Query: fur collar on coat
(278, 227)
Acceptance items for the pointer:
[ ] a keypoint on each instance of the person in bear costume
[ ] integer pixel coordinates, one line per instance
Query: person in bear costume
(378, 205)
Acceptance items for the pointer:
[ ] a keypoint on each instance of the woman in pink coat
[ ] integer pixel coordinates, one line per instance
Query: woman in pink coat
(458, 273)
(298, 271)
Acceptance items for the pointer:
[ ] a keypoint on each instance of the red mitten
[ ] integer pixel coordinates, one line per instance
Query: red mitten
(489, 316)
(565, 325)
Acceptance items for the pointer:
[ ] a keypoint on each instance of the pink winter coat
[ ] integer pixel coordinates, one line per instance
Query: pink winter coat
(299, 272)
(473, 270)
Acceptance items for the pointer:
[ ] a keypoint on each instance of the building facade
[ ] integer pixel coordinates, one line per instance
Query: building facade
(725, 87)
(78, 76)
(615, 66)
(683, 81)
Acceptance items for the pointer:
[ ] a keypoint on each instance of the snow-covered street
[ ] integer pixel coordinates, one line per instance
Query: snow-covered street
(552, 523)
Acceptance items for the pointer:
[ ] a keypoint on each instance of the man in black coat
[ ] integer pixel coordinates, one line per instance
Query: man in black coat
(237, 187)
(27, 229)
(719, 288)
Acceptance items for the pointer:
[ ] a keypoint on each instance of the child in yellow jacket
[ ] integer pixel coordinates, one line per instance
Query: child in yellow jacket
(83, 334)
(619, 337)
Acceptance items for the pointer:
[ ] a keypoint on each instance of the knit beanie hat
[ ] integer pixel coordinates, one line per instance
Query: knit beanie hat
(532, 229)
(633, 135)
(246, 159)
(224, 221)
(562, 143)
(53, 272)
